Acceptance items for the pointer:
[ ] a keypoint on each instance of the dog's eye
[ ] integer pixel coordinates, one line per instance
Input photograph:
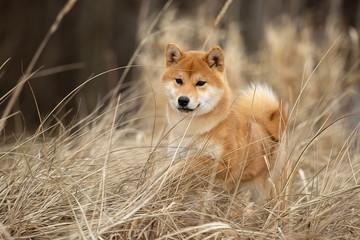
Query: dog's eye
(200, 83)
(179, 81)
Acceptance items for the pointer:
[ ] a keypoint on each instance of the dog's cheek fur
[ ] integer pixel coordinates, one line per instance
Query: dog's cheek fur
(209, 99)
(171, 93)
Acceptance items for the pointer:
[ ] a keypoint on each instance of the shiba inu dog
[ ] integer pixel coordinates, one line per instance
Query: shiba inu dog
(232, 140)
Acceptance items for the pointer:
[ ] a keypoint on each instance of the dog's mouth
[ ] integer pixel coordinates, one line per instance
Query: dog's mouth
(186, 109)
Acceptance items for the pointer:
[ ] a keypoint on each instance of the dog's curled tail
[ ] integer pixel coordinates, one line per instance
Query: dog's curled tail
(261, 103)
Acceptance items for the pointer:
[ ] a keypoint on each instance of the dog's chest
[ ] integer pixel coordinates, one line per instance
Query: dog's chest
(191, 145)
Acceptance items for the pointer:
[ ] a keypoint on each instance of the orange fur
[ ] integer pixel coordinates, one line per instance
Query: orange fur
(230, 138)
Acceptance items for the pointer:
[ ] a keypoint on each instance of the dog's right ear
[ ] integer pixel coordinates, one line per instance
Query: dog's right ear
(173, 54)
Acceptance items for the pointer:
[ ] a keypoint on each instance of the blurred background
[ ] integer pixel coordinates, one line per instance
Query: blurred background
(96, 36)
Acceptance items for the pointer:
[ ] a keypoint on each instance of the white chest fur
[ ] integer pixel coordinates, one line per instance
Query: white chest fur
(183, 144)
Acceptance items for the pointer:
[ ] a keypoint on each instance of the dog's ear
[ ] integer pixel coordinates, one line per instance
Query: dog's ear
(215, 59)
(173, 54)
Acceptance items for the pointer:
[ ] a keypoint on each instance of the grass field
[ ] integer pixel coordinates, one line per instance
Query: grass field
(105, 176)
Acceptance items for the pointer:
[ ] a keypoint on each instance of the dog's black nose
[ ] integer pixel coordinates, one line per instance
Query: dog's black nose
(183, 101)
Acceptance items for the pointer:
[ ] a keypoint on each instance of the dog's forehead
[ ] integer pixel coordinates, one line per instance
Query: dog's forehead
(193, 64)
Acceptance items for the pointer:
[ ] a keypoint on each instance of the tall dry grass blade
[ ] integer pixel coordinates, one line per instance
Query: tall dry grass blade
(58, 69)
(312, 74)
(222, 12)
(198, 229)
(84, 216)
(143, 41)
(6, 95)
(2, 65)
(217, 21)
(73, 92)
(82, 234)
(103, 182)
(68, 6)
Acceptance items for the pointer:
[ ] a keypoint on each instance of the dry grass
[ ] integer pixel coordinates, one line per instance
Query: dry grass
(105, 177)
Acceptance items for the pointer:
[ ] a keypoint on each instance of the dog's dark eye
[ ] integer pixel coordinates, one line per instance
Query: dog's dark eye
(179, 81)
(200, 83)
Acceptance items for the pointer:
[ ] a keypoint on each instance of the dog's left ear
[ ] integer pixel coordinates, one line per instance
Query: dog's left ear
(215, 58)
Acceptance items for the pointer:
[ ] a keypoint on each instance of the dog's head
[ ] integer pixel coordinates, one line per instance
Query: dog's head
(194, 81)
